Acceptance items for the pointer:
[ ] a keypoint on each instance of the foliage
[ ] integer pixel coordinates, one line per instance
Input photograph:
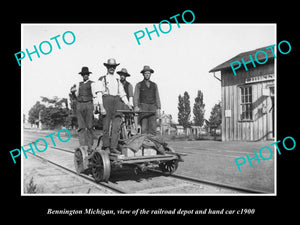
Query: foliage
(198, 109)
(53, 113)
(31, 187)
(215, 118)
(53, 117)
(57, 103)
(33, 114)
(184, 110)
(180, 110)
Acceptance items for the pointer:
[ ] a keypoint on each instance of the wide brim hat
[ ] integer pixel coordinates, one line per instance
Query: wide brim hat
(111, 62)
(147, 68)
(85, 70)
(123, 72)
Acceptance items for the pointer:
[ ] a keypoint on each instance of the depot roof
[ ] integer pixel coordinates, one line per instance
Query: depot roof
(245, 55)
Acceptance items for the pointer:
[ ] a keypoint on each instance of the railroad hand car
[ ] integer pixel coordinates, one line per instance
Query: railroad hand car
(138, 151)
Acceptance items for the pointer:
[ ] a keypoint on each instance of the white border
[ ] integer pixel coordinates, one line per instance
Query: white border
(108, 195)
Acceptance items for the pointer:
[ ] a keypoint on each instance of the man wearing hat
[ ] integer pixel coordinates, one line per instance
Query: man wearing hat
(111, 95)
(127, 86)
(146, 98)
(85, 94)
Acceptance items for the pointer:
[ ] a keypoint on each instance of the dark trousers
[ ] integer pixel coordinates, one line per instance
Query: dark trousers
(148, 120)
(111, 104)
(85, 123)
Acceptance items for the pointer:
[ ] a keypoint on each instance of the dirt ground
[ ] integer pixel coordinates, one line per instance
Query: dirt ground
(215, 161)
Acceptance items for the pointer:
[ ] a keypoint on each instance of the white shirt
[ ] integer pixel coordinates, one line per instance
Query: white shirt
(111, 85)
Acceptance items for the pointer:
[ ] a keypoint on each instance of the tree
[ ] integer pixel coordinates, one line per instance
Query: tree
(187, 109)
(56, 102)
(184, 110)
(198, 109)
(180, 110)
(55, 114)
(53, 117)
(215, 118)
(33, 114)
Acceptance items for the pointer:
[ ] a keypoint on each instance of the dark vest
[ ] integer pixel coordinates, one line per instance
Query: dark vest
(85, 92)
(148, 95)
(126, 88)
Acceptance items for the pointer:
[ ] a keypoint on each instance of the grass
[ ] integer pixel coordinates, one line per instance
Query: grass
(31, 187)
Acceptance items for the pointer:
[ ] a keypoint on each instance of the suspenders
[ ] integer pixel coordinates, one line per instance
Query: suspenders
(106, 88)
(105, 84)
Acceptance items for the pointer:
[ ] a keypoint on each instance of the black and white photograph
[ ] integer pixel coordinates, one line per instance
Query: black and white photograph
(106, 113)
(115, 111)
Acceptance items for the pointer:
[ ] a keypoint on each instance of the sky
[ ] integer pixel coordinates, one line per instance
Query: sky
(180, 59)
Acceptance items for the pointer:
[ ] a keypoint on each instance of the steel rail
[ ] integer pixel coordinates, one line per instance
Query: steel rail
(103, 184)
(196, 180)
(61, 149)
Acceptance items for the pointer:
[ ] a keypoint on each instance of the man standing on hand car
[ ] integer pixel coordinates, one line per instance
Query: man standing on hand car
(127, 86)
(146, 98)
(111, 95)
(85, 94)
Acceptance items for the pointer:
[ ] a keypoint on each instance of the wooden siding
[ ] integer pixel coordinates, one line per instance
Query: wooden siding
(260, 127)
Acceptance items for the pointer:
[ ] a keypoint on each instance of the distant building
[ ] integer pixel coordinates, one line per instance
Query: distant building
(248, 98)
(165, 123)
(179, 130)
(197, 130)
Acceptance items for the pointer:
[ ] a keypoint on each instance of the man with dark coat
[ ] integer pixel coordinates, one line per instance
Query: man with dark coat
(146, 98)
(85, 93)
(127, 86)
(129, 118)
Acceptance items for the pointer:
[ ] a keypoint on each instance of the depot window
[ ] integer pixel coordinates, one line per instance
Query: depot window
(246, 103)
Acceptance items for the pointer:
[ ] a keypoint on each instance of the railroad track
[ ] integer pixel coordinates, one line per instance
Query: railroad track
(107, 185)
(119, 190)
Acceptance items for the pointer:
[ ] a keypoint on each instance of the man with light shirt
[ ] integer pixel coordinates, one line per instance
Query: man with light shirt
(112, 97)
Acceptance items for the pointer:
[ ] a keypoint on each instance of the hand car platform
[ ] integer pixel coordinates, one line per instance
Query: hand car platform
(99, 162)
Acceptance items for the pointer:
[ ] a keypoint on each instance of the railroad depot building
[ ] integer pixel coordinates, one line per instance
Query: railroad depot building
(248, 102)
